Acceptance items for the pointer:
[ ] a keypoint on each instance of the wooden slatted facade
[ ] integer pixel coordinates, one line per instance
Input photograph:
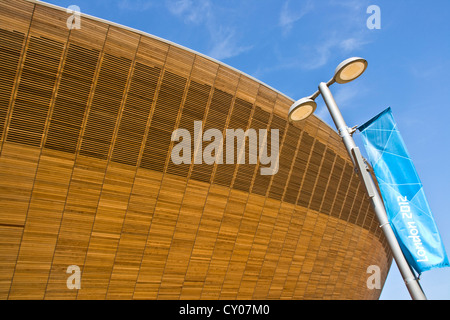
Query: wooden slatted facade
(86, 117)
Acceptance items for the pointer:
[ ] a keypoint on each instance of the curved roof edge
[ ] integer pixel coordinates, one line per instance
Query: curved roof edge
(162, 40)
(50, 5)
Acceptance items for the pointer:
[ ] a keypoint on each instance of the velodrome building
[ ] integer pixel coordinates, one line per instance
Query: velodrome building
(87, 180)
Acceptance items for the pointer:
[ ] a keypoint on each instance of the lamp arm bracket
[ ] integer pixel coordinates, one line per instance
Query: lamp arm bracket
(351, 131)
(363, 171)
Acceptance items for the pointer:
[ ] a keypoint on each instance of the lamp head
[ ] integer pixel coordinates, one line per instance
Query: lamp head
(302, 109)
(350, 69)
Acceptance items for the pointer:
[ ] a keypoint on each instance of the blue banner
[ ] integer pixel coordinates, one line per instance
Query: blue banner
(406, 205)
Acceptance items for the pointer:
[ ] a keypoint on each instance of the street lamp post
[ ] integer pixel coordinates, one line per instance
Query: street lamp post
(347, 71)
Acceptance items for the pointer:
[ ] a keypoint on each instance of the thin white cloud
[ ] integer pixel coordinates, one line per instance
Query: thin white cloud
(345, 97)
(288, 16)
(192, 12)
(346, 94)
(225, 45)
(347, 34)
(224, 40)
(320, 54)
(324, 50)
(352, 44)
(135, 5)
(317, 44)
(179, 6)
(351, 4)
(428, 69)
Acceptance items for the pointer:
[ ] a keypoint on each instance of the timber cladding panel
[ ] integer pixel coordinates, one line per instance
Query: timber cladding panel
(86, 179)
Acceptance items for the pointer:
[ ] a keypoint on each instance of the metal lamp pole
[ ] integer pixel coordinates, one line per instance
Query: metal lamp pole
(412, 283)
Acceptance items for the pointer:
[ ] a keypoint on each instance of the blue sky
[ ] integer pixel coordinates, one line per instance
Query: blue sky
(293, 45)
